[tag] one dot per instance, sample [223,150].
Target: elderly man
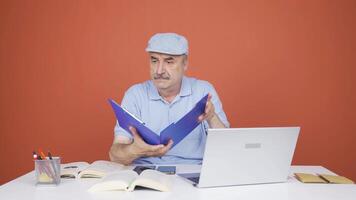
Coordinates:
[164,100]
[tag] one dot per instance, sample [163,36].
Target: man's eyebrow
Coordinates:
[169,59]
[152,57]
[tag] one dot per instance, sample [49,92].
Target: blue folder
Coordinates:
[176,131]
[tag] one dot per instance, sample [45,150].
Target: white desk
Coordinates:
[24,188]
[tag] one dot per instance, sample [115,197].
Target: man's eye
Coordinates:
[153,61]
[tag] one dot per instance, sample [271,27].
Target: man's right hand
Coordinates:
[140,148]
[125,152]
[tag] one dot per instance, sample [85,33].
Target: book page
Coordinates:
[336,179]
[115,181]
[100,168]
[153,179]
[309,178]
[71,170]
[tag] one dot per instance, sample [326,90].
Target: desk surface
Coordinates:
[24,188]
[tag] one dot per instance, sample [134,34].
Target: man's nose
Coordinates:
[160,68]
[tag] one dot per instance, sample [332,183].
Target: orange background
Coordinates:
[273,63]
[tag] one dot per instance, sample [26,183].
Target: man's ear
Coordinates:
[186,67]
[185,62]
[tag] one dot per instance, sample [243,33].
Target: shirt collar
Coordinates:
[185,90]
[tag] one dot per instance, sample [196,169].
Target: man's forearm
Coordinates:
[122,153]
[215,122]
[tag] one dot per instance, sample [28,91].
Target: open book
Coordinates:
[127,180]
[183,126]
[97,169]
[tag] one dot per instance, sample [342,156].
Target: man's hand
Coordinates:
[125,152]
[140,148]
[210,116]
[209,110]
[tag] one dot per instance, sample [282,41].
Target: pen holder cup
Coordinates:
[48,171]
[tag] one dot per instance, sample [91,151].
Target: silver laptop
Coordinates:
[239,156]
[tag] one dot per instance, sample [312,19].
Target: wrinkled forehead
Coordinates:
[155,55]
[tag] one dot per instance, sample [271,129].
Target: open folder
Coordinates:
[176,131]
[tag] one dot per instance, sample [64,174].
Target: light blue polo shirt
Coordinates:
[144,101]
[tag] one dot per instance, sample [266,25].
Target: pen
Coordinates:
[47,168]
[40,167]
[42,155]
[34,155]
[55,169]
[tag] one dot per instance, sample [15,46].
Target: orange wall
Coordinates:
[274,63]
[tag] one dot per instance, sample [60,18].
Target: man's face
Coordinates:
[167,70]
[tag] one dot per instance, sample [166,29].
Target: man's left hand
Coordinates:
[210,116]
[209,111]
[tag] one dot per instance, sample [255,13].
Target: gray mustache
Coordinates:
[161,76]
